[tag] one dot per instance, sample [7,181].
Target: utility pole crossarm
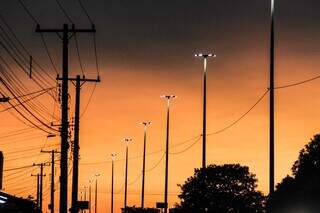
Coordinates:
[83,79]
[71,30]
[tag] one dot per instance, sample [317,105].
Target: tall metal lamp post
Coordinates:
[204,133]
[127,141]
[145,124]
[168,98]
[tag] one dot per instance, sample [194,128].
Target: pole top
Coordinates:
[205,55]
[146,123]
[168,96]
[127,140]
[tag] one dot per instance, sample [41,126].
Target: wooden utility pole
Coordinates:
[75,177]
[52,152]
[67,33]
[40,185]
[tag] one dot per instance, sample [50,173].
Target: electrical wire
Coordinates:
[45,45]
[10,90]
[186,149]
[157,164]
[28,12]
[64,12]
[85,11]
[298,83]
[242,116]
[25,101]
[17,168]
[78,53]
[22,45]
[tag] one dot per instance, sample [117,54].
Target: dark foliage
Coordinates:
[134,209]
[300,193]
[220,189]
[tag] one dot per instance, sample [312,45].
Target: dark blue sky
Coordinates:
[144,34]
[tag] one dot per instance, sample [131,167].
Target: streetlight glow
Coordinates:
[205,55]
[168,96]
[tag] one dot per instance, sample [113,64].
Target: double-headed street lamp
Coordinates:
[168,98]
[204,134]
[145,124]
[127,141]
[113,158]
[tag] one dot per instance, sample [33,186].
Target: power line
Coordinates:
[298,83]
[242,116]
[48,53]
[10,90]
[17,168]
[85,11]
[186,149]
[28,12]
[64,11]
[157,164]
[35,92]
[25,101]
[96,53]
[78,53]
[21,45]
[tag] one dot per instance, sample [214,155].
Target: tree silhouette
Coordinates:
[219,189]
[134,209]
[300,193]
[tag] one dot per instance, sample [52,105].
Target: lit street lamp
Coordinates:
[127,141]
[145,124]
[168,98]
[204,134]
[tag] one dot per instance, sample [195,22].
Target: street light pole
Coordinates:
[90,181]
[113,157]
[204,127]
[145,124]
[168,98]
[127,141]
[96,194]
[85,195]
[271,93]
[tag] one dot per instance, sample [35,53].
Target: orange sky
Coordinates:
[130,93]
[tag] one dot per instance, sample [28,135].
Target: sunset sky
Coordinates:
[145,50]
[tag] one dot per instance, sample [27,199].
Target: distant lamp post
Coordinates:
[127,141]
[90,181]
[113,158]
[96,194]
[145,124]
[204,134]
[168,98]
